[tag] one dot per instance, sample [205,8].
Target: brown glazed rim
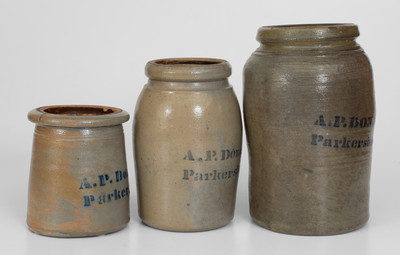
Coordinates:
[188,69]
[307,32]
[78,116]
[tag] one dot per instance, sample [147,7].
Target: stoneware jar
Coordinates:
[187,139]
[309,116]
[78,182]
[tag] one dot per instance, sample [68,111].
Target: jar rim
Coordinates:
[78,116]
[307,32]
[188,69]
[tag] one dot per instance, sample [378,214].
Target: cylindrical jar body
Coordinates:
[187,139]
[78,182]
[309,117]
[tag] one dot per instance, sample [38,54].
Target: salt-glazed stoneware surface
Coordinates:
[309,117]
[78,182]
[187,139]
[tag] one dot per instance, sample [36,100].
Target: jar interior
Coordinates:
[78,110]
[188,61]
[305,26]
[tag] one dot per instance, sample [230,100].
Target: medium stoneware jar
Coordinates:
[187,139]
[309,116]
[78,182]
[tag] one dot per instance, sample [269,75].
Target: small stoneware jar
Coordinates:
[78,182]
[309,115]
[187,139]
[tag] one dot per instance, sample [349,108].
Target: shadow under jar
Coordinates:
[187,139]
[309,117]
[78,183]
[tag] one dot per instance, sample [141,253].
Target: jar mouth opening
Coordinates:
[189,61]
[78,116]
[188,69]
[307,32]
[308,26]
[79,110]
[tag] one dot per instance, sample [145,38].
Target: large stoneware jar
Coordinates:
[78,182]
[187,139]
[309,116]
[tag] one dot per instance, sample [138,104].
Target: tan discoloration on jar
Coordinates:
[73,148]
[309,115]
[187,121]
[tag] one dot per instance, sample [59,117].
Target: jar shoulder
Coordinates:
[308,68]
[306,60]
[169,103]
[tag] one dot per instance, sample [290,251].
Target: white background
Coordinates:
[94,52]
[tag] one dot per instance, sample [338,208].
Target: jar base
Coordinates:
[65,234]
[268,225]
[184,229]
